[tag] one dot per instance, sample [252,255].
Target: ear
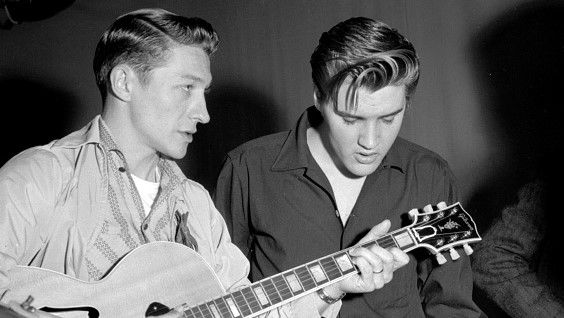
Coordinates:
[122,79]
[315,98]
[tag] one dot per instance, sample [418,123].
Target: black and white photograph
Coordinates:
[296,158]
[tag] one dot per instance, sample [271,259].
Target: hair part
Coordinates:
[143,38]
[362,53]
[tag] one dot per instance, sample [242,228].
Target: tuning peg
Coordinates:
[454,254]
[412,213]
[467,249]
[441,205]
[428,208]
[440,258]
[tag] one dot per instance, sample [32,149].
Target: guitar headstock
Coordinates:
[444,229]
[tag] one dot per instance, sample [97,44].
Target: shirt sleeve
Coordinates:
[504,260]
[231,199]
[28,184]
[446,290]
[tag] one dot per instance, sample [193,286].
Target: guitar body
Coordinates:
[164,272]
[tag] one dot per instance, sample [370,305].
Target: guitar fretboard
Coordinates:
[287,286]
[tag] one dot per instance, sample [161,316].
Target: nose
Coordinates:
[201,114]
[369,134]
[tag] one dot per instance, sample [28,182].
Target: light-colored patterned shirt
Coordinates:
[72,207]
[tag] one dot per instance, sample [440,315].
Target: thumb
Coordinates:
[377,231]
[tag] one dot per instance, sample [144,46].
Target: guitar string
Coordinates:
[385,242]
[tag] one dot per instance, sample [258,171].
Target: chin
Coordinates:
[179,155]
[361,170]
[175,155]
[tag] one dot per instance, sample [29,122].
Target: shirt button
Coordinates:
[145,226]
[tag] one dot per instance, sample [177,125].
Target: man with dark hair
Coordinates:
[79,204]
[293,196]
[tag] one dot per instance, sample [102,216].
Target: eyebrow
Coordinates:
[195,78]
[344,114]
[394,112]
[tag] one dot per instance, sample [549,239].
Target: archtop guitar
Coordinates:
[158,276]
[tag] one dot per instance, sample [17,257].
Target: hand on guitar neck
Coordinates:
[375,264]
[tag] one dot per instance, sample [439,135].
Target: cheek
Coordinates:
[171,111]
[344,137]
[390,133]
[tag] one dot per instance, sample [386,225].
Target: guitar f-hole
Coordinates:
[156,309]
[92,312]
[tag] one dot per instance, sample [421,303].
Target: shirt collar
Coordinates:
[91,133]
[87,134]
[295,153]
[393,158]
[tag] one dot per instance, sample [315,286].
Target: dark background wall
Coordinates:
[487,66]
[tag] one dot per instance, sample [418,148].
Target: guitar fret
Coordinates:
[317,273]
[222,307]
[305,278]
[294,282]
[271,292]
[196,312]
[232,306]
[214,310]
[205,310]
[404,240]
[251,299]
[282,287]
[344,263]
[330,267]
[261,295]
[386,241]
[242,303]
[188,313]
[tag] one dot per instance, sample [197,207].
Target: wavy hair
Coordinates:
[367,53]
[142,39]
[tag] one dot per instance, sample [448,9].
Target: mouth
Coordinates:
[366,157]
[189,135]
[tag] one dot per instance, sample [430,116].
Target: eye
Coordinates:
[349,120]
[388,120]
[188,88]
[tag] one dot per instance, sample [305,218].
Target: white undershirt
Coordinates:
[147,191]
[345,189]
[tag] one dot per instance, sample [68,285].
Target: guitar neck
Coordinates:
[437,231]
[274,291]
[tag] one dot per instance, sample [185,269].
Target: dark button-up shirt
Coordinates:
[280,209]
